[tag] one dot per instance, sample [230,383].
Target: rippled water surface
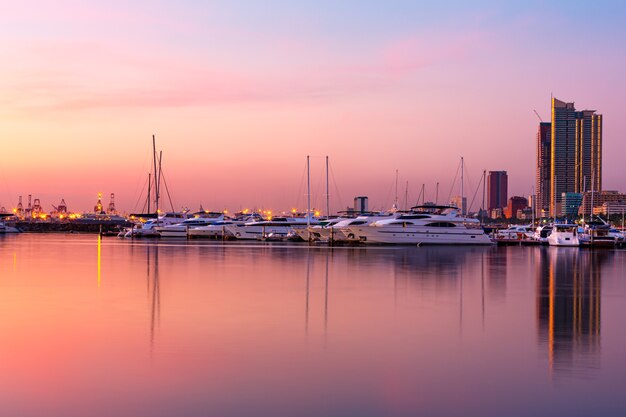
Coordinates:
[112,327]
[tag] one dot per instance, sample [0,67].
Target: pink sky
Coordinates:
[238,96]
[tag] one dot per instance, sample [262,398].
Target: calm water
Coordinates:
[139,328]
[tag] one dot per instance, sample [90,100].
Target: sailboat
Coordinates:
[148,221]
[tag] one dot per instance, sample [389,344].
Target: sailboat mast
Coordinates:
[406,196]
[395,203]
[327,192]
[462,190]
[308,192]
[149,184]
[156,184]
[437,194]
[482,211]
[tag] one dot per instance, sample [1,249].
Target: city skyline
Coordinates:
[375,88]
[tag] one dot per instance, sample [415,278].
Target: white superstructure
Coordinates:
[277,227]
[423,225]
[181,229]
[564,235]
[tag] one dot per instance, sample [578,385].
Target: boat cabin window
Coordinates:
[441,224]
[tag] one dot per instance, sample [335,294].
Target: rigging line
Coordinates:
[332,175]
[140,197]
[454,182]
[390,191]
[467,176]
[167,190]
[469,208]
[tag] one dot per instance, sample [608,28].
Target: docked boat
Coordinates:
[149,228]
[597,235]
[423,225]
[564,234]
[181,229]
[4,228]
[542,232]
[278,227]
[218,229]
[515,234]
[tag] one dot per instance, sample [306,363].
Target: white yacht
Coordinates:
[423,225]
[278,227]
[564,234]
[218,228]
[181,229]
[515,233]
[542,232]
[8,229]
[597,234]
[148,229]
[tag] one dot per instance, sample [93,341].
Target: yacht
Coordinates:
[597,234]
[8,229]
[181,229]
[542,232]
[218,228]
[277,227]
[148,229]
[515,233]
[423,225]
[564,234]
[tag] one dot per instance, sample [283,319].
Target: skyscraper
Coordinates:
[497,189]
[544,155]
[575,154]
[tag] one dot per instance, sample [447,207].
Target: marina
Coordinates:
[255,328]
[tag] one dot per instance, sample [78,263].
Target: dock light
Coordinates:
[14,211]
[225,211]
[293,210]
[316,214]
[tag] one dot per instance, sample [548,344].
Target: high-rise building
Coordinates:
[497,189]
[563,153]
[575,153]
[514,205]
[544,155]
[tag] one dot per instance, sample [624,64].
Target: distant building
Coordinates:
[515,203]
[460,203]
[599,199]
[496,213]
[542,189]
[360,204]
[570,204]
[575,152]
[497,189]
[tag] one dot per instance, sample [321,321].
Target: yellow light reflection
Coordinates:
[99,259]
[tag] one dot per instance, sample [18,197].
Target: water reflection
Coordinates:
[569,307]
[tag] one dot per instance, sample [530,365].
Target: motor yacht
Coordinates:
[564,234]
[276,227]
[181,229]
[597,234]
[542,232]
[148,228]
[515,233]
[423,225]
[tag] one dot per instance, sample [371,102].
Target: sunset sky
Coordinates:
[239,92]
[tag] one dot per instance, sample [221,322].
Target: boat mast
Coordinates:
[482,211]
[591,208]
[149,184]
[423,194]
[308,193]
[532,206]
[462,190]
[437,194]
[327,192]
[406,196]
[156,183]
[395,203]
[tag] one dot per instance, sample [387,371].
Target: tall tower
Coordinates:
[563,153]
[544,168]
[497,189]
